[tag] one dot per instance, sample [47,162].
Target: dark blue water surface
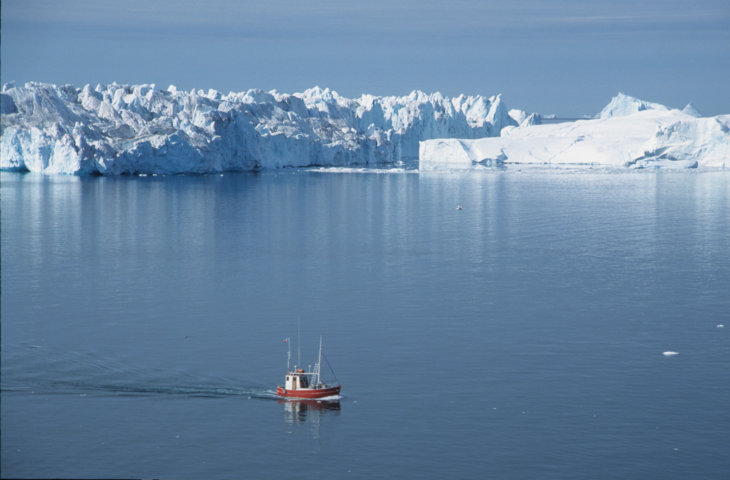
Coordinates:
[520,337]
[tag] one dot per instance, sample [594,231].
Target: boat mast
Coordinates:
[288,353]
[319,362]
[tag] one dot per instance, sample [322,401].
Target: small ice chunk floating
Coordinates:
[299,383]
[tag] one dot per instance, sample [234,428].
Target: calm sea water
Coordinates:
[520,337]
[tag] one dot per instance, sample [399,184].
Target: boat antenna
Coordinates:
[288,353]
[299,341]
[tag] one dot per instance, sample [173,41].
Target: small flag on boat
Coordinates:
[286,340]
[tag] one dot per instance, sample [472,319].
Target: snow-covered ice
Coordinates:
[142,129]
[622,105]
[627,133]
[116,129]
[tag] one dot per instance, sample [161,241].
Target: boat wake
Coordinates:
[36,370]
[209,391]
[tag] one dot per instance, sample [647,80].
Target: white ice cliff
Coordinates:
[627,133]
[116,129]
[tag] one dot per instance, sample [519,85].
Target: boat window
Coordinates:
[304,382]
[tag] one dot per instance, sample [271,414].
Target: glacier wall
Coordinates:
[118,129]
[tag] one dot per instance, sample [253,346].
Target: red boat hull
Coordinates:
[308,392]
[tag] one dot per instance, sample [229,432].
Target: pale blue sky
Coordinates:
[566,56]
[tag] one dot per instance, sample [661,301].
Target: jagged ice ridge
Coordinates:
[117,129]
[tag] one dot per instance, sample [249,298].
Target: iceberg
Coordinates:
[628,133]
[622,105]
[142,129]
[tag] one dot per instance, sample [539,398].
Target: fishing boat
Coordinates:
[299,383]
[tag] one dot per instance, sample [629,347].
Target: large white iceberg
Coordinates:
[116,129]
[627,133]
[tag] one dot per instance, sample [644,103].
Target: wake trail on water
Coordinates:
[35,369]
[163,389]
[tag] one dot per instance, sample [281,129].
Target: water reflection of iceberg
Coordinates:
[300,411]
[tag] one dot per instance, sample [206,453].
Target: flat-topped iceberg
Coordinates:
[117,129]
[627,133]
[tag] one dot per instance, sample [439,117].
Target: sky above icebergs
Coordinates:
[567,57]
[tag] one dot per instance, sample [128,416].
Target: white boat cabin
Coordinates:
[297,380]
